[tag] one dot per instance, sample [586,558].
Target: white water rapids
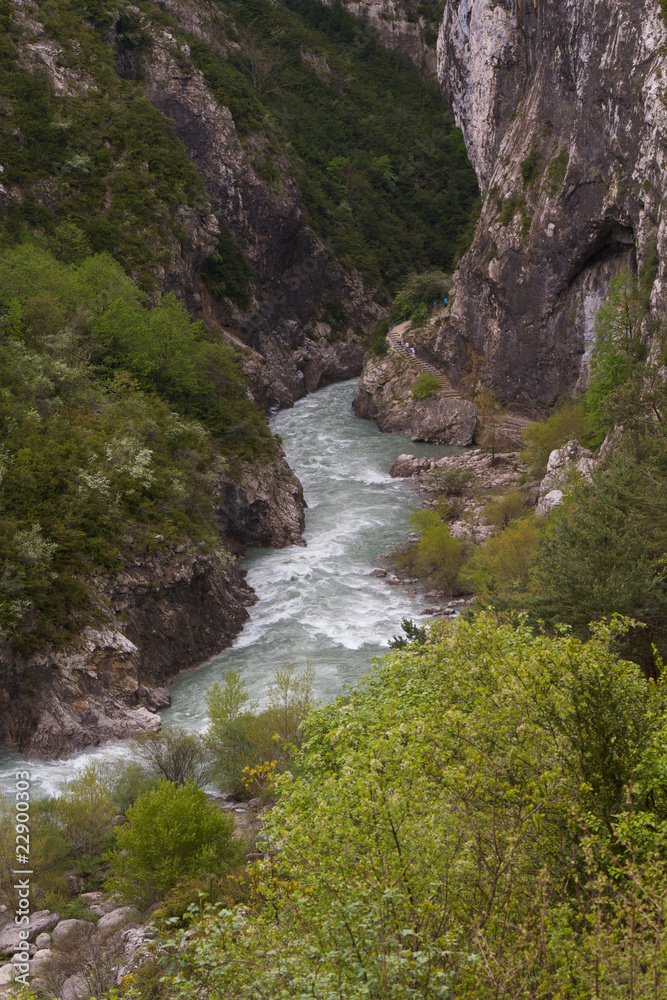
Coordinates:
[316,604]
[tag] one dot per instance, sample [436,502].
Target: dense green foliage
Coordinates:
[484,817]
[383,172]
[115,420]
[113,166]
[568,423]
[418,294]
[437,557]
[172,832]
[427,385]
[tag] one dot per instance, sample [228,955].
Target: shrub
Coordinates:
[240,737]
[175,754]
[510,207]
[530,167]
[173,832]
[500,566]
[128,780]
[449,482]
[427,385]
[501,511]
[478,818]
[437,557]
[557,171]
[566,424]
[377,338]
[417,295]
[84,810]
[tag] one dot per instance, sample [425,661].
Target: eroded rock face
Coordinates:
[562,111]
[294,275]
[163,613]
[262,507]
[385,395]
[566,464]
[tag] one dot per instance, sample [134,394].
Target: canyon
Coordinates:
[562,108]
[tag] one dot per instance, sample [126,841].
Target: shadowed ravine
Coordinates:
[316,603]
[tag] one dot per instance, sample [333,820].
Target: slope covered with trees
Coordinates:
[483,817]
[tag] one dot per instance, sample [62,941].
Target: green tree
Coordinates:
[498,570]
[437,557]
[175,754]
[464,824]
[618,349]
[501,511]
[172,832]
[603,553]
[84,810]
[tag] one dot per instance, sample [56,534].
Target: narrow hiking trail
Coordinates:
[396,342]
[510,426]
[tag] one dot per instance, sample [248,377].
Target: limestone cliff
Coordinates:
[563,111]
[386,395]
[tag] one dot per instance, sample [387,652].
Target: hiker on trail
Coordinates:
[412,352]
[445,301]
[407,348]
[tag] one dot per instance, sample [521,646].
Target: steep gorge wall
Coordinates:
[294,275]
[562,106]
[164,613]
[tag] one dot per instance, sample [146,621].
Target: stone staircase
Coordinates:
[396,341]
[510,427]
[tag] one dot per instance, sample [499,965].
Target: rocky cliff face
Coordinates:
[563,111]
[164,613]
[407,26]
[386,396]
[294,275]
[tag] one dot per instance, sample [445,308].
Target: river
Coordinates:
[316,604]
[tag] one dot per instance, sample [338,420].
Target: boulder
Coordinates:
[92,897]
[6,974]
[40,961]
[43,941]
[40,922]
[564,465]
[68,932]
[112,922]
[155,699]
[74,988]
[553,499]
[409,465]
[380,573]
